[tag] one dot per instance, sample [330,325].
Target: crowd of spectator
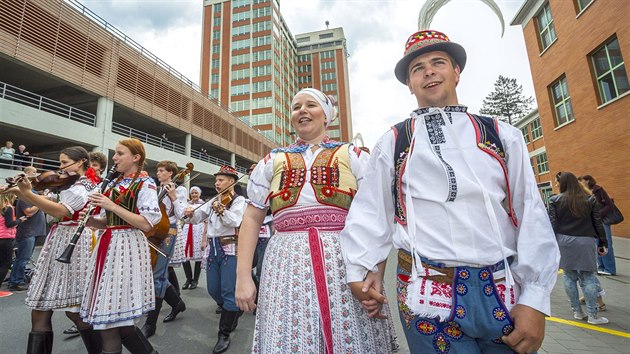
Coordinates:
[12,158]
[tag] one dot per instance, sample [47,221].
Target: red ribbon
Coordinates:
[319,272]
[189,242]
[92,176]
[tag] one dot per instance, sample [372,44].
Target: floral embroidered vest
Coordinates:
[126,198]
[331,178]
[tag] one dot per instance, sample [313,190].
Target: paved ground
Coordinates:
[194,331]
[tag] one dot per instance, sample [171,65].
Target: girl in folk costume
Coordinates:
[188,246]
[304,303]
[120,283]
[57,286]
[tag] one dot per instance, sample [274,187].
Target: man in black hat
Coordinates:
[224,216]
[477,255]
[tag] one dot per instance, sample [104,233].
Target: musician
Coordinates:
[224,216]
[164,290]
[120,283]
[57,286]
[98,163]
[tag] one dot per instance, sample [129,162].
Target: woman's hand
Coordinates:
[24,184]
[102,201]
[245,293]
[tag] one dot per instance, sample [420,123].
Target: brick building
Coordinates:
[577,51]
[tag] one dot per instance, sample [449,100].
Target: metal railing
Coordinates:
[147,138]
[42,103]
[200,155]
[19,162]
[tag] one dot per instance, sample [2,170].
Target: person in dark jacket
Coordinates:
[605,264]
[576,220]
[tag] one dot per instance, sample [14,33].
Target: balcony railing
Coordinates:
[42,103]
[19,162]
[147,138]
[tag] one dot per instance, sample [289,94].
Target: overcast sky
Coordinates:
[376,31]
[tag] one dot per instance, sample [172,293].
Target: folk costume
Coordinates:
[164,290]
[304,304]
[59,286]
[221,260]
[455,193]
[188,248]
[120,283]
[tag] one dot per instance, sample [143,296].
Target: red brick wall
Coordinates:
[598,141]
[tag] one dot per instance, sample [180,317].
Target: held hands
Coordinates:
[245,293]
[529,329]
[370,293]
[102,201]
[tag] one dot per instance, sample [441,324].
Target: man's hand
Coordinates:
[529,329]
[370,293]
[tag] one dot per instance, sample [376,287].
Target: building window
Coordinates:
[238,106]
[536,129]
[262,11]
[262,55]
[240,30]
[525,131]
[240,74]
[216,35]
[243,43]
[545,192]
[329,87]
[333,134]
[239,3]
[217,8]
[262,26]
[262,86]
[326,35]
[305,79]
[240,16]
[562,102]
[546,29]
[214,78]
[327,54]
[304,57]
[264,40]
[541,163]
[304,69]
[216,48]
[214,92]
[329,76]
[328,65]
[610,70]
[303,39]
[215,63]
[582,4]
[240,89]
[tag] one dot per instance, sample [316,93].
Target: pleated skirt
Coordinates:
[188,247]
[56,285]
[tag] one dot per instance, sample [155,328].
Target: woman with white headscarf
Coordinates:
[305,305]
[188,247]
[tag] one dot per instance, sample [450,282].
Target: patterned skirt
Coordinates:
[188,244]
[289,314]
[120,283]
[56,285]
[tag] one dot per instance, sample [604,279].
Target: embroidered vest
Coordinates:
[488,140]
[331,178]
[128,200]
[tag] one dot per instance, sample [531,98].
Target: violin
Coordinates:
[54,181]
[219,205]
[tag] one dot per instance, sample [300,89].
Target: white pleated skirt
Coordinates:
[185,242]
[288,316]
[123,289]
[56,285]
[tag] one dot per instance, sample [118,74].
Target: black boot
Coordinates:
[151,323]
[227,324]
[39,343]
[188,273]
[92,340]
[172,278]
[195,280]
[176,302]
[137,343]
[219,309]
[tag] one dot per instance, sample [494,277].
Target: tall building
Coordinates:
[250,64]
[577,51]
[323,64]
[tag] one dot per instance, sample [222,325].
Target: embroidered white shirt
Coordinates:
[452,223]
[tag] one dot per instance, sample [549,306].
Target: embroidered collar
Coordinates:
[141,175]
[425,110]
[301,146]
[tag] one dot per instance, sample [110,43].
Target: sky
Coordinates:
[375,30]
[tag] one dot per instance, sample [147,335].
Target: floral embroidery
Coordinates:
[462,289]
[493,147]
[426,327]
[460,311]
[454,331]
[484,274]
[488,290]
[440,344]
[464,274]
[499,314]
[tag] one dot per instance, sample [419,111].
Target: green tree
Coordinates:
[507,102]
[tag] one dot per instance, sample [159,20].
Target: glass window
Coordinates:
[262,11]
[582,4]
[327,54]
[240,74]
[215,63]
[545,192]
[238,106]
[240,89]
[237,31]
[562,102]
[525,131]
[261,70]
[262,86]
[303,39]
[546,29]
[305,79]
[215,78]
[240,16]
[262,55]
[304,57]
[217,8]
[610,71]
[216,35]
[536,129]
[329,76]
[239,3]
[329,87]
[214,92]
[326,35]
[541,163]
[328,65]
[243,43]
[240,59]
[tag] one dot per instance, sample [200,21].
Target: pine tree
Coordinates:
[507,102]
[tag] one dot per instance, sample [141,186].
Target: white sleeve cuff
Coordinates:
[536,297]
[355,273]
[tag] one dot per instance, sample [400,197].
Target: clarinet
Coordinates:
[67,253]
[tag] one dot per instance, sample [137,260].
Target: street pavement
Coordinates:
[195,330]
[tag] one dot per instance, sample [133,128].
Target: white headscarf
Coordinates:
[326,101]
[195,188]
